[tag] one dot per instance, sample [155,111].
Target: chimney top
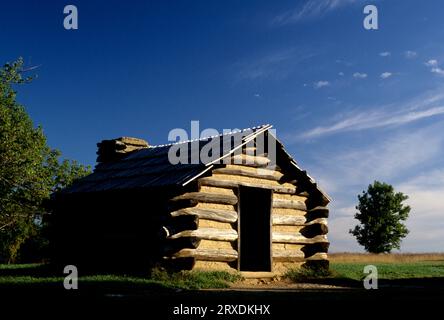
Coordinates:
[116,149]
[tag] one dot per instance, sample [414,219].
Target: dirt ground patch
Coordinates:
[278,283]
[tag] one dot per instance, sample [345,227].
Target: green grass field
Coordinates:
[390,271]
[389,266]
[38,275]
[348,269]
[345,269]
[403,280]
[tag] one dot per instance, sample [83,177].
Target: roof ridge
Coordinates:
[209,137]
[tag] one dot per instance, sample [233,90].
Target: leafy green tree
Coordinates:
[29,170]
[381,215]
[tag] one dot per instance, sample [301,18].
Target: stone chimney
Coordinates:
[116,149]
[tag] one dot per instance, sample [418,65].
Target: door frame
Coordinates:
[270,223]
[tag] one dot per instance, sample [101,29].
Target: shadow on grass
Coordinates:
[30,270]
[42,286]
[45,278]
[407,283]
[51,278]
[49,270]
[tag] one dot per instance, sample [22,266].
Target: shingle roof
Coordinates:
[151,167]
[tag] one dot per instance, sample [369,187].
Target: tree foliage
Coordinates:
[381,215]
[29,169]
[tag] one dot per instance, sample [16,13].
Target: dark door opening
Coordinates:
[254,229]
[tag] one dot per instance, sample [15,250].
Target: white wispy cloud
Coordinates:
[429,99]
[409,54]
[426,220]
[410,158]
[321,84]
[344,62]
[438,70]
[371,120]
[311,9]
[392,159]
[359,75]
[341,74]
[423,107]
[385,54]
[275,65]
[427,187]
[386,75]
[434,67]
[432,63]
[340,239]
[387,159]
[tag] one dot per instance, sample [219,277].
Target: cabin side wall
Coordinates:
[110,231]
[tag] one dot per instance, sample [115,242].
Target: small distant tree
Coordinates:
[29,169]
[381,215]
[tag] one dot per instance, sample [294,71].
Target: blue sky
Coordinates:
[351,105]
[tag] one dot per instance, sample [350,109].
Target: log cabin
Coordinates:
[246,205]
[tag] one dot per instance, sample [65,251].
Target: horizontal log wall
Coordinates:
[210,244]
[216,210]
[210,214]
[298,232]
[216,182]
[208,233]
[223,255]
